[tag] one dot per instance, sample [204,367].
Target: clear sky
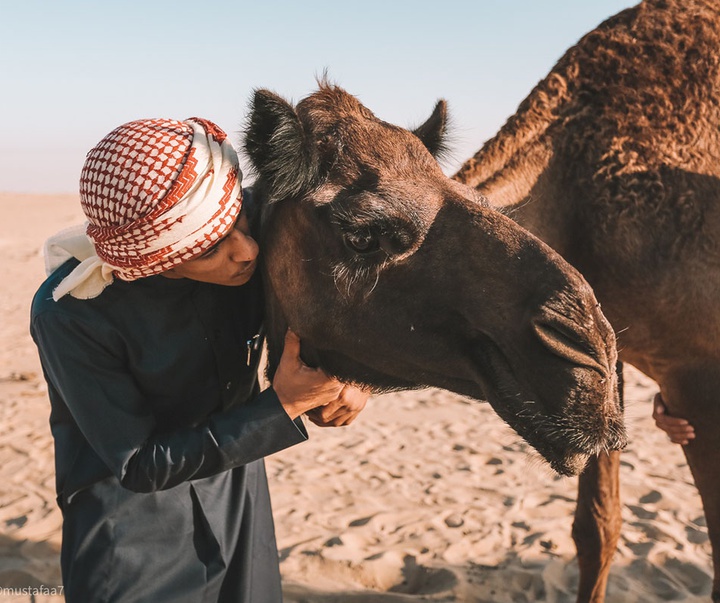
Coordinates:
[72,70]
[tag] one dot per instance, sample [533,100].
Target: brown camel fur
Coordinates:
[396,277]
[614,160]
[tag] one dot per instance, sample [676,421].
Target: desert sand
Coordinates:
[426,497]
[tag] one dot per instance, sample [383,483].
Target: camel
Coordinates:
[614,160]
[397,277]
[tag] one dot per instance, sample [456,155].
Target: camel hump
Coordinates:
[640,123]
[644,82]
[627,121]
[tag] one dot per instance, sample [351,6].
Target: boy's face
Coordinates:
[232,261]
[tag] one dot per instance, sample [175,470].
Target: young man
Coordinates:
[148,330]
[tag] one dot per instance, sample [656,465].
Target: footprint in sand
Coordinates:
[641,549]
[363,521]
[662,585]
[695,579]
[697,532]
[418,579]
[696,536]
[17,522]
[642,512]
[651,497]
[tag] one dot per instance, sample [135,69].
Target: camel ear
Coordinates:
[432,132]
[277,146]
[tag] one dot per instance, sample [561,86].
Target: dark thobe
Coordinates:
[160,431]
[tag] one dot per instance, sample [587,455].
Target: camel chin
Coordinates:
[565,429]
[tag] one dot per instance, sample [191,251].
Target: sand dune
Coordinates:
[426,497]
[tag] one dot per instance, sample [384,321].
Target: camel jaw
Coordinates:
[564,432]
[565,441]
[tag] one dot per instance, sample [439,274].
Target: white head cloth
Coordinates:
[156,193]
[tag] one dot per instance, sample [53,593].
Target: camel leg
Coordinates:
[596,528]
[598,520]
[703,462]
[695,394]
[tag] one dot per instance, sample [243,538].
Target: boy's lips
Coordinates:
[249,267]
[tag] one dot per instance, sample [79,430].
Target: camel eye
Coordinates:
[361,242]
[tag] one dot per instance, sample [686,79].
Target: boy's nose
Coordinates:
[244,247]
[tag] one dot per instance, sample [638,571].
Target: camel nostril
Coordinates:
[567,342]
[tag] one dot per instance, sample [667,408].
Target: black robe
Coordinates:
[159,432]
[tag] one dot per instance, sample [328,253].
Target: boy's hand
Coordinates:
[679,430]
[299,387]
[341,411]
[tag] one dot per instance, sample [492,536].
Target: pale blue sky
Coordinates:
[72,70]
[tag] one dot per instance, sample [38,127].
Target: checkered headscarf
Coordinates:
[156,193]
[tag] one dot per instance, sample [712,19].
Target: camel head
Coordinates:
[395,276]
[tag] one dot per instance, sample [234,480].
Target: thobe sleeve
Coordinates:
[115,419]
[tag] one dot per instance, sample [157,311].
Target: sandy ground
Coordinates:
[426,497]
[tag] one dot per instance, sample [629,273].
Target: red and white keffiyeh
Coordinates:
[156,193]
